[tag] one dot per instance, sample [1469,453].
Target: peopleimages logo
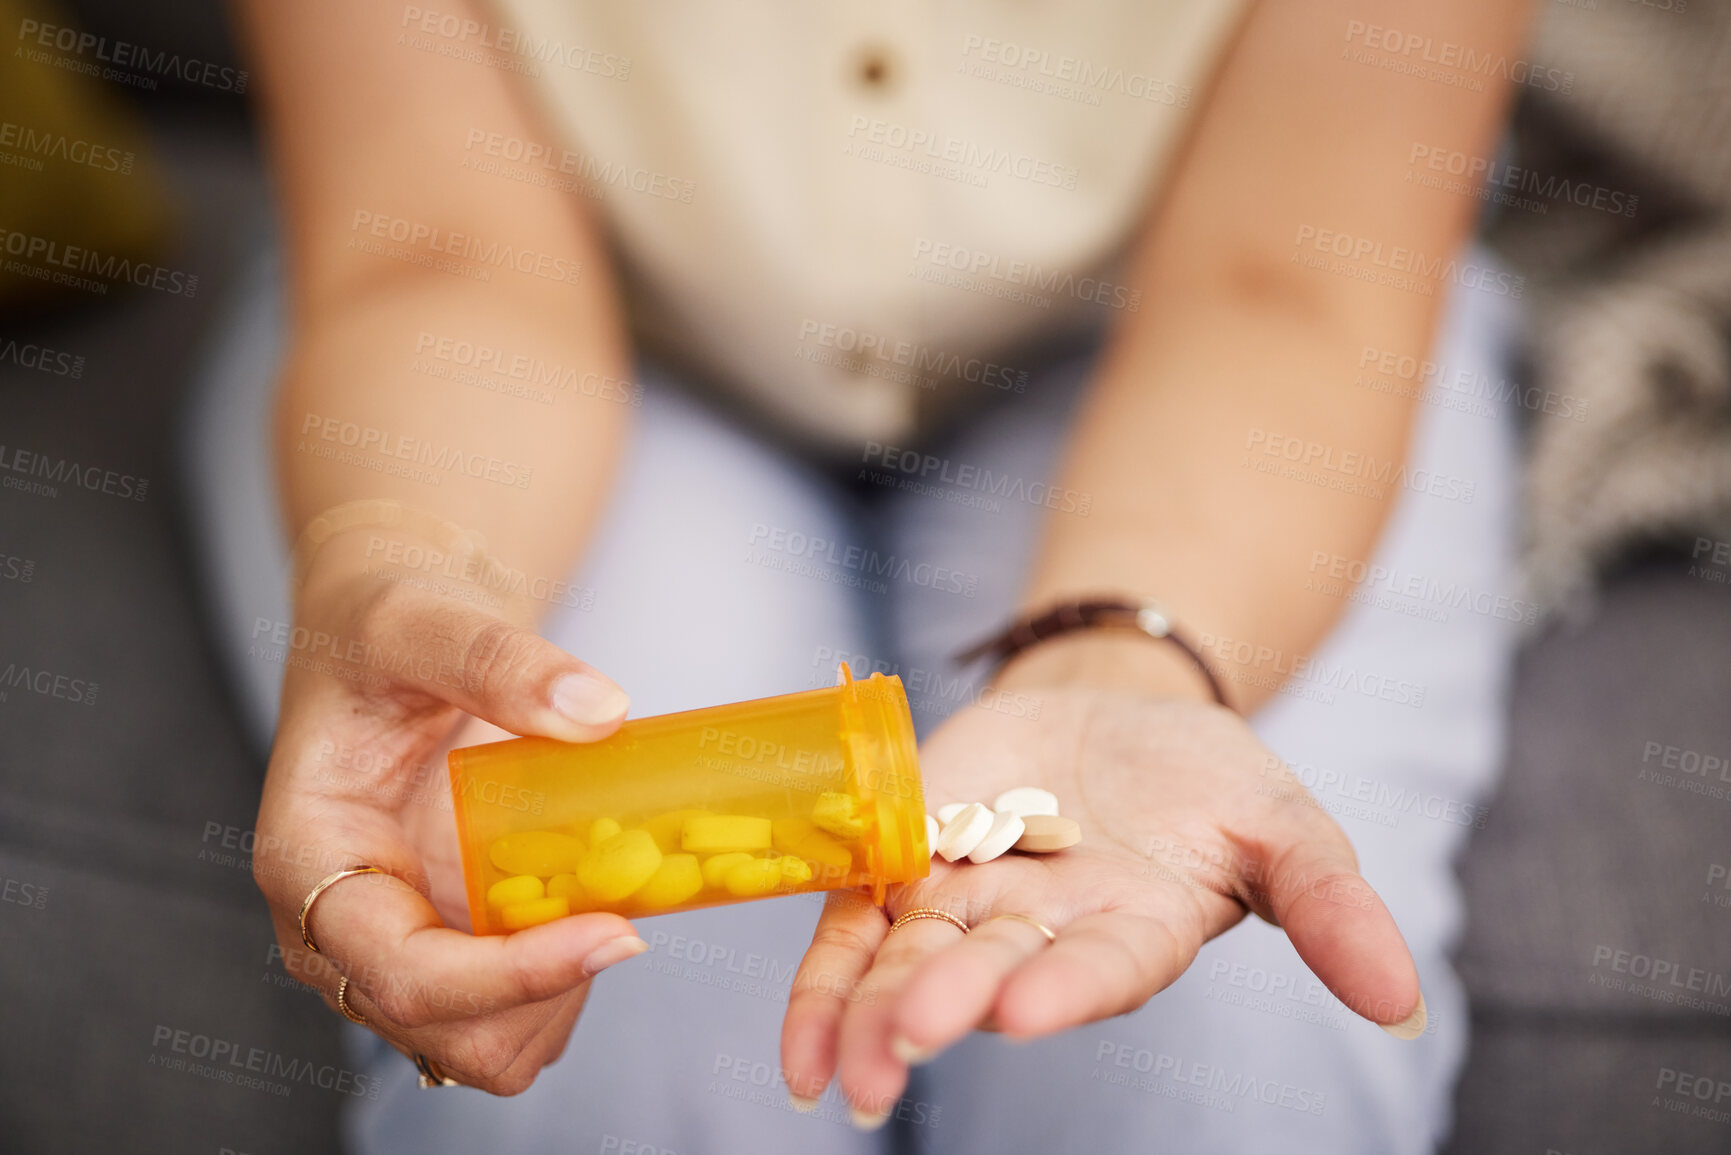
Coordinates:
[1396,262]
[470,361]
[41,358]
[1206,1084]
[1391,371]
[23,893]
[64,471]
[1447,595]
[1023,274]
[1447,61]
[34,144]
[464,246]
[913,465]
[965,154]
[48,684]
[528,49]
[1304,668]
[857,347]
[532,154]
[1665,980]
[34,252]
[123,54]
[928,691]
[1391,801]
[1481,174]
[382,450]
[1071,77]
[1698,1096]
[853,561]
[226,1061]
[1361,473]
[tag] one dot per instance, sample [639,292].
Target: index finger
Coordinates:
[842,948]
[389,941]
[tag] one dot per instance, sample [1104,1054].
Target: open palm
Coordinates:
[1187,823]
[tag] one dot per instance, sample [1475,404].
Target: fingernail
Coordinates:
[802,1104]
[615,950]
[867,1120]
[1410,1027]
[911,1053]
[588,700]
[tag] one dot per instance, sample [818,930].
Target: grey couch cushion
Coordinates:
[1596,954]
[148,925]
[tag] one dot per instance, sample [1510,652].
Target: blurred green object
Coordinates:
[75,164]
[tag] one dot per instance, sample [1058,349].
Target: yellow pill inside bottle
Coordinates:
[542,853]
[803,792]
[674,881]
[759,877]
[725,833]
[667,829]
[802,838]
[839,814]
[523,915]
[510,891]
[716,866]
[565,886]
[618,866]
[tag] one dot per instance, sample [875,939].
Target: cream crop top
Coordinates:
[849,214]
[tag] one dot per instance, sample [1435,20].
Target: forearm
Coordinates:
[405,263]
[371,406]
[1172,447]
[1240,347]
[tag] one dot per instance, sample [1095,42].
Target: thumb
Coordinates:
[486,666]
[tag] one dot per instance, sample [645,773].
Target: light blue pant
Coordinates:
[1397,728]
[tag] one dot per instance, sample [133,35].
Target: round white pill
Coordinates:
[932,832]
[945,813]
[1026,800]
[1006,828]
[964,832]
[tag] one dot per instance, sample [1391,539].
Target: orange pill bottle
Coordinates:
[802,792]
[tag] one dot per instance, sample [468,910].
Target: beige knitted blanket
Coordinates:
[1629,260]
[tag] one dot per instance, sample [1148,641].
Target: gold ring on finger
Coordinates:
[349,1012]
[1051,935]
[920,912]
[432,1075]
[325,884]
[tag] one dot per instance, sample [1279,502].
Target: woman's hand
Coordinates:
[1187,822]
[374,692]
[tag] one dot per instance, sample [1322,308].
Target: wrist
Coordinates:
[1108,659]
[354,568]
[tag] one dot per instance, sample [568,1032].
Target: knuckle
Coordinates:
[530,985]
[267,872]
[387,612]
[559,1048]
[843,939]
[513,1082]
[808,992]
[402,1008]
[487,1055]
[495,652]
